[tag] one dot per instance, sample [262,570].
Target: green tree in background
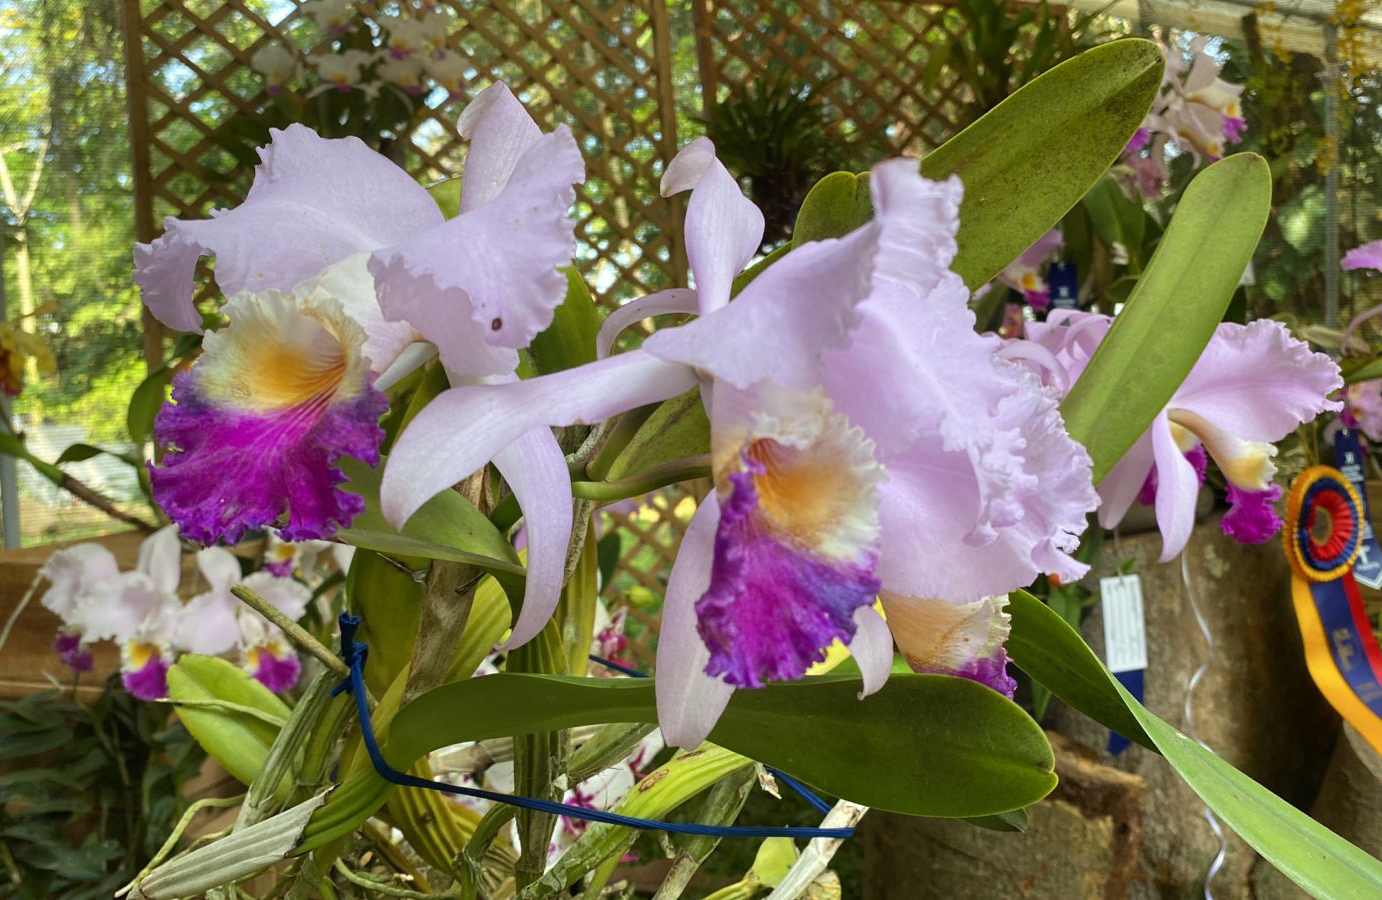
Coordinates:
[66,210]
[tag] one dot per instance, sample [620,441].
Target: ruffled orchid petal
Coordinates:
[535,470]
[964,639]
[805,304]
[1252,518]
[277,671]
[872,649]
[1367,256]
[313,202]
[673,300]
[483,284]
[465,427]
[71,572]
[797,542]
[500,132]
[1258,382]
[262,419]
[1178,487]
[689,702]
[723,227]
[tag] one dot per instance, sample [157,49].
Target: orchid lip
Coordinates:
[1246,464]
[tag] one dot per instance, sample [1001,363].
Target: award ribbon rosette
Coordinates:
[1324,528]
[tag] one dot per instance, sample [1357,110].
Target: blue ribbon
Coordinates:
[354,653]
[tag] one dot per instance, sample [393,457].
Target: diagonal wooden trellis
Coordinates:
[600,66]
[871,59]
[604,67]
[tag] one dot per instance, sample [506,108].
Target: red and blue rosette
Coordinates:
[1324,529]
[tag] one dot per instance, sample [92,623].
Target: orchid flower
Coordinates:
[332,16]
[277,64]
[215,622]
[865,441]
[335,264]
[136,609]
[1252,385]
[1364,256]
[71,572]
[1196,110]
[1024,273]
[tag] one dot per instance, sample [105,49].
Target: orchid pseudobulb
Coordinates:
[1252,385]
[865,442]
[339,268]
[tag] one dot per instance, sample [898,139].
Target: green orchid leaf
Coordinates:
[1043,645]
[1311,855]
[677,429]
[835,206]
[1027,161]
[1365,370]
[570,340]
[446,527]
[148,398]
[227,711]
[389,603]
[925,745]
[1172,312]
[1318,860]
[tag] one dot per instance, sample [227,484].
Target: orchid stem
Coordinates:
[292,629]
[446,606]
[609,491]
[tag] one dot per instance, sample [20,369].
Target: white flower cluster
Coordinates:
[413,54]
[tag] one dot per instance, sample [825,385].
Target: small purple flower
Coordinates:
[72,651]
[1140,138]
[1252,518]
[1234,127]
[276,666]
[144,669]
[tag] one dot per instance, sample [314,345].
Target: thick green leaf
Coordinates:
[1172,313]
[1049,650]
[1043,645]
[1305,851]
[389,603]
[145,403]
[570,340]
[676,430]
[237,741]
[835,206]
[925,745]
[446,527]
[1031,158]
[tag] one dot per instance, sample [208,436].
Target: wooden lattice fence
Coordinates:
[600,66]
[873,61]
[604,67]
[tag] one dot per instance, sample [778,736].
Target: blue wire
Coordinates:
[805,792]
[355,654]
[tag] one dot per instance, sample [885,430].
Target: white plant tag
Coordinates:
[1125,630]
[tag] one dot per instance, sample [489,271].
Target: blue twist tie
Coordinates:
[354,655]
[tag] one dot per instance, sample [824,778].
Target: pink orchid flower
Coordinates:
[341,275]
[1252,386]
[1024,273]
[866,443]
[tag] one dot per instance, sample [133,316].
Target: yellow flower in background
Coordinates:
[16,349]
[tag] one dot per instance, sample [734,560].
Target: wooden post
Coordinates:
[144,228]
